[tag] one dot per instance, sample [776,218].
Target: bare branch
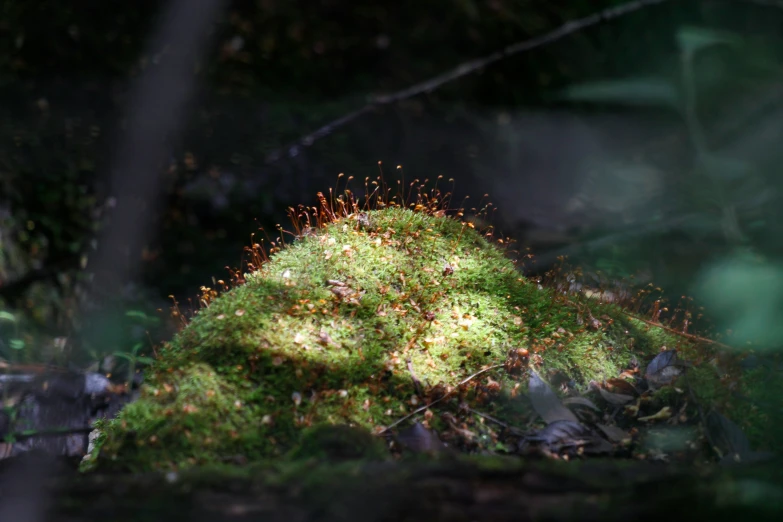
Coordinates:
[461,70]
[765,3]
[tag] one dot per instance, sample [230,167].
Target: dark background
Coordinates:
[142,144]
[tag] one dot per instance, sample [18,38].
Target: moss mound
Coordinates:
[358,324]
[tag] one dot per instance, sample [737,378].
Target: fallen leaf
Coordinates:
[581,401]
[726,437]
[618,399]
[661,361]
[622,386]
[663,414]
[614,433]
[663,369]
[325,339]
[546,403]
[567,434]
[560,431]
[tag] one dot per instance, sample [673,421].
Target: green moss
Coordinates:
[760,394]
[339,442]
[322,333]
[194,412]
[751,399]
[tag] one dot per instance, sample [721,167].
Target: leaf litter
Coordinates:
[629,420]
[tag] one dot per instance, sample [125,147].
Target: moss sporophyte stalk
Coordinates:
[370,314]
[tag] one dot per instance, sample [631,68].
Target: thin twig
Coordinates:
[679,333]
[445,396]
[511,429]
[461,70]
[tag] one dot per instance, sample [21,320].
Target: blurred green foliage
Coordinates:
[744,294]
[726,205]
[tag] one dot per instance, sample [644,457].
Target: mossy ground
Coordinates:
[342,325]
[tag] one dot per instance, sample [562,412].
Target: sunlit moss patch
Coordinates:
[360,322]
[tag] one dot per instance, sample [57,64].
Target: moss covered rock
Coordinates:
[357,325]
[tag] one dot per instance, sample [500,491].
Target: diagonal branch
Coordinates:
[461,70]
[765,3]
